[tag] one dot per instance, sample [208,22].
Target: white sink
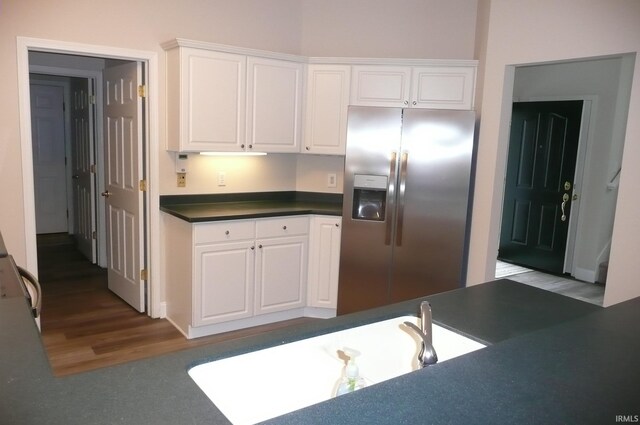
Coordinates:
[263,384]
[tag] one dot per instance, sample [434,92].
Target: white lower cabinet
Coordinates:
[281,274]
[234,274]
[224,276]
[324,262]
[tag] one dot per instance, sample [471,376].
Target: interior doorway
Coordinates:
[603,85]
[96,158]
[26,46]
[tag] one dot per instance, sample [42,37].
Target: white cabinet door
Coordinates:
[223,278]
[281,274]
[274,93]
[443,87]
[324,261]
[206,100]
[377,85]
[326,109]
[435,87]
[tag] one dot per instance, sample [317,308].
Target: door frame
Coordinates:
[585,140]
[152,213]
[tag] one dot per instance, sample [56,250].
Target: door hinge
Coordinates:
[92,168]
[92,99]
[142,90]
[143,185]
[94,235]
[144,274]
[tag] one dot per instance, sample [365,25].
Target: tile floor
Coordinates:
[590,292]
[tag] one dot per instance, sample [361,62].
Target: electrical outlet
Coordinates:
[222,178]
[182,179]
[332,180]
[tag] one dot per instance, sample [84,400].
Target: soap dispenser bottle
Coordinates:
[351,379]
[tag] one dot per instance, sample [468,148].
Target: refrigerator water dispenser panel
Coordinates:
[369,197]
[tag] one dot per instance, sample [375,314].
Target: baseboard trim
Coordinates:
[163,310]
[584,275]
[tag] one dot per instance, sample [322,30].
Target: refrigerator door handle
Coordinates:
[401,190]
[391,184]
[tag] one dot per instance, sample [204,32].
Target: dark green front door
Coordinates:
[541,165]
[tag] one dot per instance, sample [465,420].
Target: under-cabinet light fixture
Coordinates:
[233,153]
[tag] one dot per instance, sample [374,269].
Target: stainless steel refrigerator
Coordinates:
[406,200]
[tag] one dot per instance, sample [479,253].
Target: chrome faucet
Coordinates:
[427,355]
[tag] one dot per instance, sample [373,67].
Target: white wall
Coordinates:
[312,170]
[433,29]
[600,80]
[572,29]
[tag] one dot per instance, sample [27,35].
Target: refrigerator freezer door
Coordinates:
[433,192]
[373,142]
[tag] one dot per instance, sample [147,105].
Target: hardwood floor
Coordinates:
[85,326]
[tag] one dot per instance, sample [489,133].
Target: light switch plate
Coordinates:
[332,180]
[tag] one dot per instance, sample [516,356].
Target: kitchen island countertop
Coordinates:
[552,360]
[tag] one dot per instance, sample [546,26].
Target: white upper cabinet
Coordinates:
[274,113]
[231,99]
[443,87]
[374,85]
[438,86]
[228,99]
[327,101]
[206,107]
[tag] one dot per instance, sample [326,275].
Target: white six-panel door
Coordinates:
[47,129]
[82,159]
[123,198]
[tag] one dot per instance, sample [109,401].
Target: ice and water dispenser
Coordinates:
[369,197]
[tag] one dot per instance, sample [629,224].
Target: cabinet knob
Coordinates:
[406,102]
[284,227]
[253,247]
[226,232]
[260,246]
[242,146]
[337,225]
[415,103]
[250,146]
[307,148]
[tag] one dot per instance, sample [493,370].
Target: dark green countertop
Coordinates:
[201,208]
[553,360]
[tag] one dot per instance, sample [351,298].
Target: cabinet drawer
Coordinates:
[223,231]
[285,226]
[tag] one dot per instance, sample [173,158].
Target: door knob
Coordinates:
[106,194]
[75,177]
[565,198]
